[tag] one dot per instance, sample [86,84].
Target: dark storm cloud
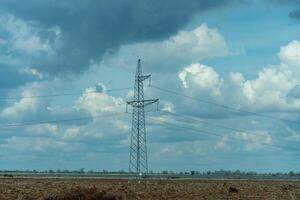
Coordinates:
[92,27]
[295,14]
[11,77]
[284,1]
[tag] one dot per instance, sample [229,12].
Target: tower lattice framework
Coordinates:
[138,161]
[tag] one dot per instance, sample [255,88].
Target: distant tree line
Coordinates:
[165,172]
[229,173]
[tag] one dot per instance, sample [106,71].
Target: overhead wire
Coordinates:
[12,125]
[211,133]
[208,123]
[62,94]
[23,124]
[224,106]
[220,126]
[156,87]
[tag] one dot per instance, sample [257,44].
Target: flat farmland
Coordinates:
[110,189]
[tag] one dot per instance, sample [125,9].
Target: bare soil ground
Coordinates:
[99,189]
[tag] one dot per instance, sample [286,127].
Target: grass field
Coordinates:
[99,189]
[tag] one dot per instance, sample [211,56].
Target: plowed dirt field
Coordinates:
[99,189]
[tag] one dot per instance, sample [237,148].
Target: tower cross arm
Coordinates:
[143,77]
[142,103]
[150,101]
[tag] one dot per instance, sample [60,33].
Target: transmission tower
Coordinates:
[138,162]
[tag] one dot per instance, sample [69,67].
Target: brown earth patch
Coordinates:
[99,189]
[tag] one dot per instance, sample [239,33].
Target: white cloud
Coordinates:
[182,49]
[183,52]
[168,106]
[34,72]
[201,76]
[33,144]
[188,46]
[43,129]
[222,144]
[30,45]
[271,88]
[25,106]
[190,148]
[290,54]
[24,36]
[76,133]
[95,101]
[268,92]
[121,125]
[255,139]
[250,141]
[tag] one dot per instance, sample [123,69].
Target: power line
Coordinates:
[116,114]
[224,106]
[210,133]
[60,94]
[209,123]
[57,121]
[12,125]
[217,125]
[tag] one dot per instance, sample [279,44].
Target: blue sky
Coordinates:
[240,54]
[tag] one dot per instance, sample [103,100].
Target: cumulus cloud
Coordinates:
[184,48]
[19,45]
[249,141]
[290,56]
[81,136]
[24,107]
[95,101]
[268,92]
[254,140]
[87,30]
[22,144]
[23,104]
[43,130]
[21,38]
[202,77]
[181,149]
[45,43]
[168,106]
[274,83]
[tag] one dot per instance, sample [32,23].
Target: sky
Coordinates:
[226,73]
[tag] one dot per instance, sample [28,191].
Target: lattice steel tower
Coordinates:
[138,161]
